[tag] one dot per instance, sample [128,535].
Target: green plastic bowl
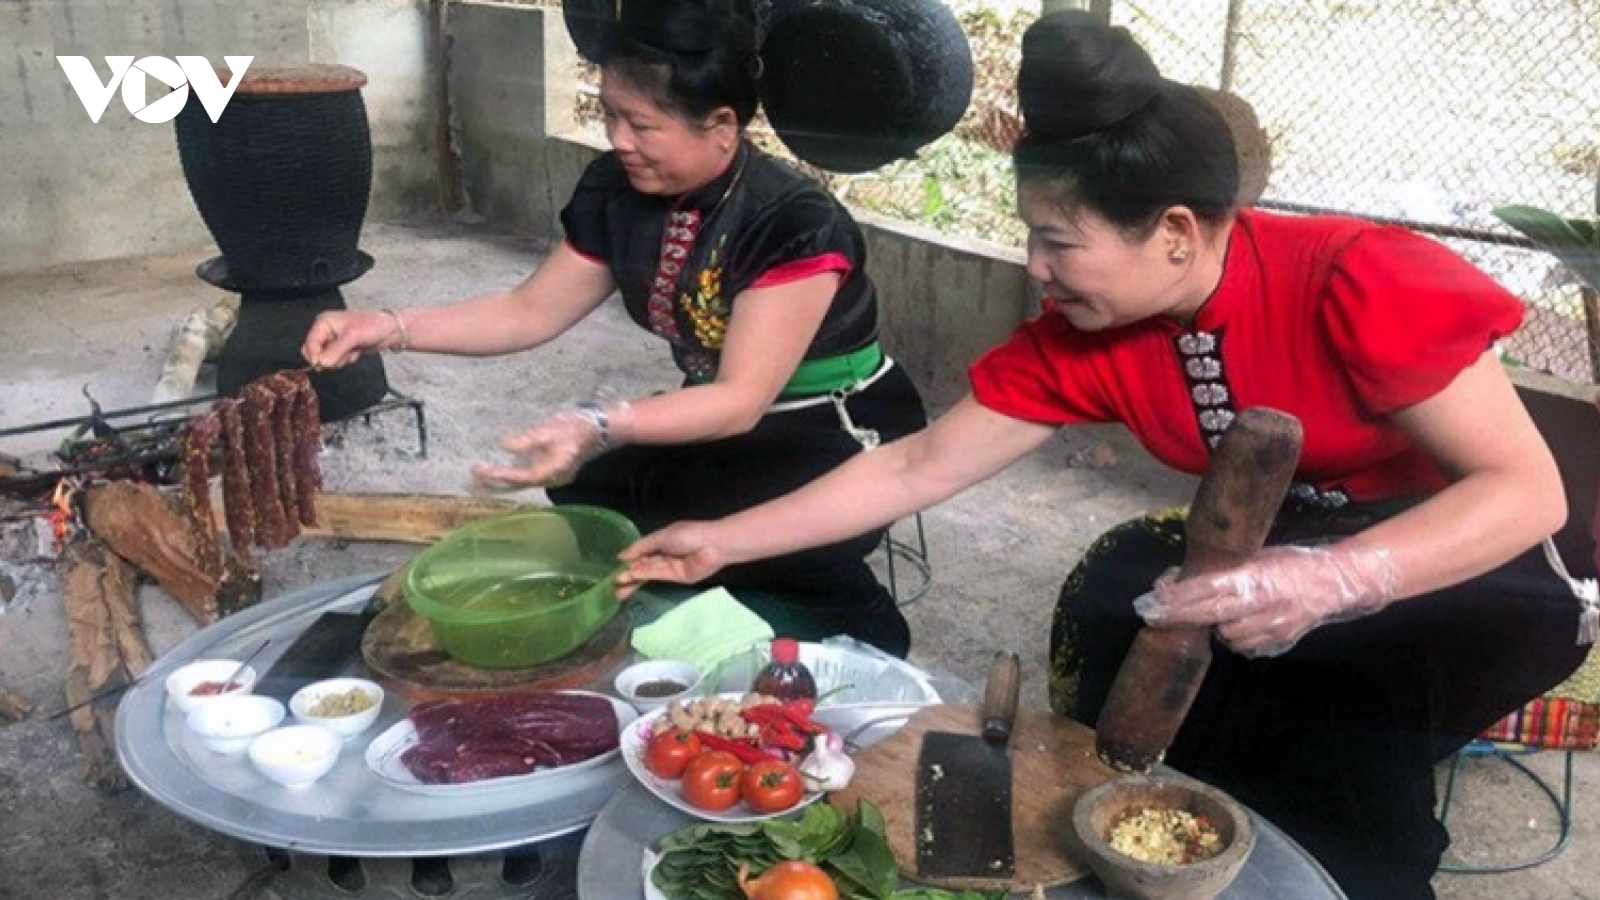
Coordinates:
[522,588]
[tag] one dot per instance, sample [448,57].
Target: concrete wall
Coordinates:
[72,189]
[510,89]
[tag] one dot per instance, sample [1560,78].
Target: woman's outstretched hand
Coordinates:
[338,338]
[1265,606]
[549,453]
[681,553]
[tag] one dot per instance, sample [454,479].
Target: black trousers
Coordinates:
[1336,740]
[807,595]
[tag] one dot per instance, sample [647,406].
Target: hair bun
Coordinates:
[1080,76]
[688,26]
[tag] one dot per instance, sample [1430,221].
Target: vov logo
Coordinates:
[188,72]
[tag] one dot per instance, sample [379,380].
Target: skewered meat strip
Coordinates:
[307,422]
[198,439]
[258,409]
[237,503]
[283,450]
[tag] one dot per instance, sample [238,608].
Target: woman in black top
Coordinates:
[753,274]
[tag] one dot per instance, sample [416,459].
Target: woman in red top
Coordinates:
[1408,618]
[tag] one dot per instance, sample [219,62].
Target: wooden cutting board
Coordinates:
[1052,763]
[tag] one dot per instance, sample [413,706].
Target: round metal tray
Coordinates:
[350,812]
[610,865]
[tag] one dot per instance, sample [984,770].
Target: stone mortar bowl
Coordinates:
[1102,807]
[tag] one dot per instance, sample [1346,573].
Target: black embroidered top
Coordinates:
[682,262]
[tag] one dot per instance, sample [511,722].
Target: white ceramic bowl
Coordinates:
[305,701]
[184,680]
[644,675]
[295,756]
[229,723]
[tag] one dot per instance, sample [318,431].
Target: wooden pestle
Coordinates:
[1233,509]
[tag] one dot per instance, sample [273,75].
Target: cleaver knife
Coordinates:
[963,800]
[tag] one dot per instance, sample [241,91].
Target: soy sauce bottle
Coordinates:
[786,677]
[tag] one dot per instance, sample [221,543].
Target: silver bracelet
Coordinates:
[400,325]
[596,414]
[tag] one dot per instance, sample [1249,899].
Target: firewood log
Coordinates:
[118,586]
[95,662]
[143,527]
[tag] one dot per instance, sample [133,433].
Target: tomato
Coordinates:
[793,880]
[670,752]
[771,786]
[711,781]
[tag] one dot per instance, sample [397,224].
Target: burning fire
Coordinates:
[63,514]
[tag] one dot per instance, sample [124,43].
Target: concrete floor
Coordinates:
[999,551]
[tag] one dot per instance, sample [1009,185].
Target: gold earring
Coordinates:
[1178,254]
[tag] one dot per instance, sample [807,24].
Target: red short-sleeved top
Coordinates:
[1336,321]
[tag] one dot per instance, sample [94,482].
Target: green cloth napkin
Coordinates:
[705,630]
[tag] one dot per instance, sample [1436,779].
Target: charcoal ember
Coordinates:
[512,734]
[199,437]
[237,503]
[258,410]
[283,450]
[307,424]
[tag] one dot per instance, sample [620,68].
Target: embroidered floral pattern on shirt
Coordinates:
[1208,386]
[1306,494]
[1213,406]
[706,306]
[676,241]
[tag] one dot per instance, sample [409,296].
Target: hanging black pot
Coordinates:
[850,85]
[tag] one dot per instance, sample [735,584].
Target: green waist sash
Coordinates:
[831,373]
[820,376]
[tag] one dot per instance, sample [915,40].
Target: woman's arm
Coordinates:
[1505,496]
[768,334]
[965,446]
[564,288]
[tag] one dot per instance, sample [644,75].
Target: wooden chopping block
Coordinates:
[1052,763]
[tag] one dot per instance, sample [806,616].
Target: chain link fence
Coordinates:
[1426,112]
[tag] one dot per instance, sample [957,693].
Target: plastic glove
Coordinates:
[1265,606]
[551,452]
[338,338]
[683,553]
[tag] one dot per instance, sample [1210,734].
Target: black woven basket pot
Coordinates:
[850,85]
[282,181]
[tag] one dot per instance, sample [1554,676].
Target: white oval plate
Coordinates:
[648,866]
[383,758]
[636,738]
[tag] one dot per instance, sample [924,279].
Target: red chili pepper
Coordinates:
[746,753]
[799,720]
[763,714]
[782,735]
[805,706]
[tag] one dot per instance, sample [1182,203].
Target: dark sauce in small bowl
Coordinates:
[662,687]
